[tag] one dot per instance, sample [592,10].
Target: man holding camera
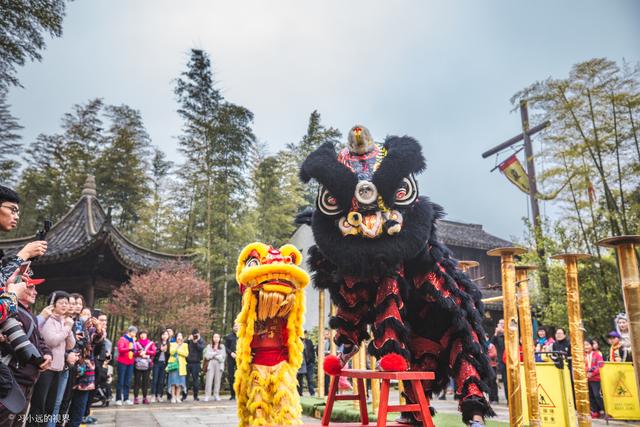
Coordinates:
[24,352]
[194,362]
[9,215]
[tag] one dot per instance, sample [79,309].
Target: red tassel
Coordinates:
[393,362]
[332,365]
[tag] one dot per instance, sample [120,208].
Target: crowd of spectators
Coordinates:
[557,349]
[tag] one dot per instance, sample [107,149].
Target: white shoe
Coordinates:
[118,402]
[152,400]
[160,399]
[174,400]
[217,398]
[206,399]
[128,402]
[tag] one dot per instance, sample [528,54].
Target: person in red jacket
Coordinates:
[593,362]
[126,347]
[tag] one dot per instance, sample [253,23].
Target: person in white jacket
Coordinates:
[214,356]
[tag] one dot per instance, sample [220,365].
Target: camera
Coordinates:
[25,351]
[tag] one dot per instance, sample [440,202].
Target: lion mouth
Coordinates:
[273,304]
[371,225]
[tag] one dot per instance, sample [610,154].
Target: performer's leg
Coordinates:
[389,330]
[469,387]
[285,404]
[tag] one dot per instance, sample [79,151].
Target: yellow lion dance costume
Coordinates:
[269,350]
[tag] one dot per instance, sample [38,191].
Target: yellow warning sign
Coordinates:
[619,390]
[555,398]
[544,401]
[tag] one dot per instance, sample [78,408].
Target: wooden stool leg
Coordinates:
[427,421]
[384,403]
[331,397]
[362,397]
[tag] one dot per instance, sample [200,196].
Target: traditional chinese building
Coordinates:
[87,253]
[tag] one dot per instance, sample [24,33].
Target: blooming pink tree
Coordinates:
[172,297]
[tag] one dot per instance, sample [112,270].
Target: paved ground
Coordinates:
[189,413]
[223,413]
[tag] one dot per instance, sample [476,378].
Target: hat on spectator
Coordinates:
[132,329]
[613,334]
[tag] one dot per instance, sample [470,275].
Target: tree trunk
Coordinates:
[617,141]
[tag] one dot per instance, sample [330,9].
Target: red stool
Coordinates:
[413,377]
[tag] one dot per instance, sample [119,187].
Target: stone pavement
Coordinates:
[189,413]
[223,413]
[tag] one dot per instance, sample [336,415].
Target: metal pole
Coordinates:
[511,331]
[576,335]
[630,280]
[321,343]
[526,332]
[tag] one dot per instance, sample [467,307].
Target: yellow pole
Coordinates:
[511,330]
[576,335]
[321,343]
[492,299]
[630,280]
[375,387]
[526,332]
[333,348]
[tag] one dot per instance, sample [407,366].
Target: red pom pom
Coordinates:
[332,365]
[393,362]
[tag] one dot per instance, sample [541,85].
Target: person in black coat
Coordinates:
[309,354]
[498,341]
[194,363]
[230,342]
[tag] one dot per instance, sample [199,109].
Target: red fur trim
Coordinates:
[332,365]
[393,362]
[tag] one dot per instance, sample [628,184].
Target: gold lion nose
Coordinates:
[354,219]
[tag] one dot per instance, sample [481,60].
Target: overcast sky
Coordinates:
[442,72]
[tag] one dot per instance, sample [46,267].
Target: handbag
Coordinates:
[173,366]
[143,364]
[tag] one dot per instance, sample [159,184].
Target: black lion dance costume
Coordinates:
[378,254]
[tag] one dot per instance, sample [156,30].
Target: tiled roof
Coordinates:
[87,227]
[453,233]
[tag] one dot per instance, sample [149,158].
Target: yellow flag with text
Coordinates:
[514,171]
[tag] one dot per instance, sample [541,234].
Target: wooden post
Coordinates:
[630,281]
[526,333]
[375,387]
[333,348]
[321,343]
[511,331]
[576,336]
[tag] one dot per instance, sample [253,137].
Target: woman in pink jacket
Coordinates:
[144,351]
[55,329]
[125,360]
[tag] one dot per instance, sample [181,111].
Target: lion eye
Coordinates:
[407,193]
[252,262]
[327,203]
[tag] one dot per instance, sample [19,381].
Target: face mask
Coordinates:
[83,318]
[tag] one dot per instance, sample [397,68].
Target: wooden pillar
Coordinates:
[630,281]
[528,348]
[511,331]
[577,337]
[321,343]
[333,348]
